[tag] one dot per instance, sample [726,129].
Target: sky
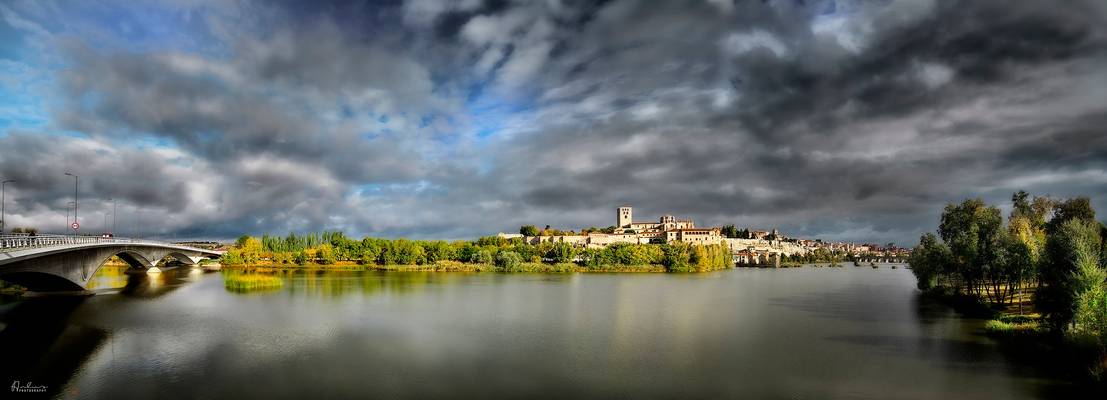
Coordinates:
[842,120]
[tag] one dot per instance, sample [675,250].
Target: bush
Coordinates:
[1009,328]
[232,257]
[481,256]
[282,258]
[301,257]
[509,261]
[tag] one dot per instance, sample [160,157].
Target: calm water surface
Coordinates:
[761,333]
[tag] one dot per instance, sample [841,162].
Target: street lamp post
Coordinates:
[76,228]
[106,222]
[68,206]
[3,201]
[113,209]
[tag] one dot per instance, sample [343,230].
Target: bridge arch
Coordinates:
[182,257]
[133,258]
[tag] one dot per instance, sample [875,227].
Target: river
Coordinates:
[745,333]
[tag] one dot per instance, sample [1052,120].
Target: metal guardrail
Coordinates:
[19,242]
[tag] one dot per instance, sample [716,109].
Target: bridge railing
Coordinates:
[19,242]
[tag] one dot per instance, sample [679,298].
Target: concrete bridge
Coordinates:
[55,263]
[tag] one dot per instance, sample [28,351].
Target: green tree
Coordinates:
[1020,204]
[561,253]
[1071,248]
[1006,266]
[1028,238]
[405,252]
[492,241]
[677,257]
[528,230]
[1065,210]
[929,261]
[730,231]
[250,248]
[1090,299]
[438,251]
[326,254]
[367,257]
[971,230]
[463,251]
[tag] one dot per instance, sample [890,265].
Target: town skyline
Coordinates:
[629,228]
[841,120]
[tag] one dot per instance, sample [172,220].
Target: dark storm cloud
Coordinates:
[839,119]
[983,43]
[822,132]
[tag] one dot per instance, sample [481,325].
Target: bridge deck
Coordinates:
[18,247]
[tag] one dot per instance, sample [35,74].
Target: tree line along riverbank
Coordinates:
[1041,277]
[486,254]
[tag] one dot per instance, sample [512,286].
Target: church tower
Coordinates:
[623,217]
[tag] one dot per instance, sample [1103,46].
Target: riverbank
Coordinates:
[1077,358]
[454,266]
[1022,337]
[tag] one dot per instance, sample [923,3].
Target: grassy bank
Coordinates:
[1022,336]
[1076,357]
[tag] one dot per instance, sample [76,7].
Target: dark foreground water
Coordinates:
[749,333]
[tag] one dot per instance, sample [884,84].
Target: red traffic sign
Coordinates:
[75,225]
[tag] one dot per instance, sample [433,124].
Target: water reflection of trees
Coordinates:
[340,283]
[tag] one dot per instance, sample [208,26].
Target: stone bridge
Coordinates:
[50,263]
